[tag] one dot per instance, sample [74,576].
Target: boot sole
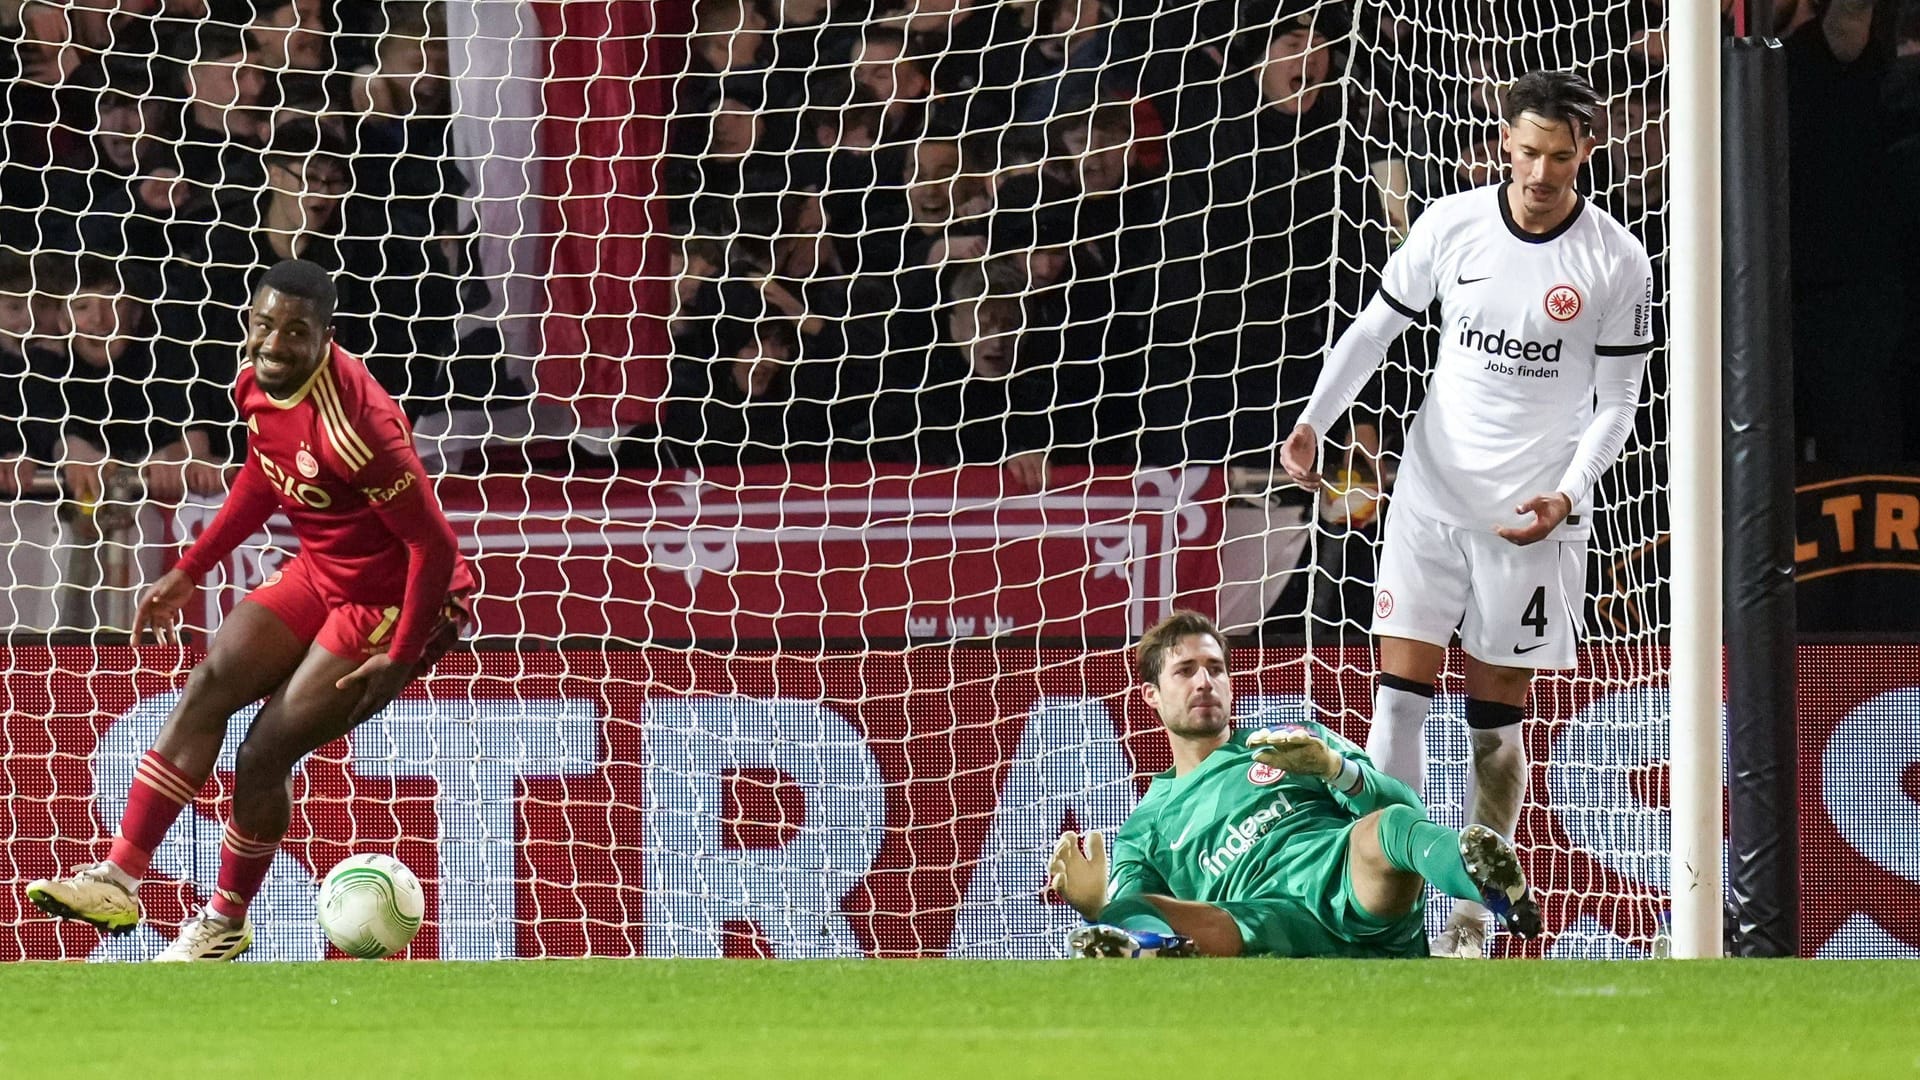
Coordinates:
[1492,863]
[57,909]
[1098,942]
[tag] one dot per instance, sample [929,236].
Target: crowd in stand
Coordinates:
[1032,232]
[1068,231]
[156,157]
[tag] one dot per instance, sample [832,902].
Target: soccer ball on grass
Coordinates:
[370,906]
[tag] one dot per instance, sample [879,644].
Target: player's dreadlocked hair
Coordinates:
[1167,633]
[1558,96]
[306,280]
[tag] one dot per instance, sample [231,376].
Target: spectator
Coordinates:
[95,175]
[809,35]
[28,356]
[226,121]
[883,70]
[807,283]
[897,283]
[1284,223]
[967,398]
[146,219]
[726,57]
[1117,245]
[295,216]
[48,53]
[1064,63]
[42,123]
[104,26]
[743,408]
[846,163]
[1632,178]
[404,101]
[119,406]
[978,52]
[288,39]
[1847,295]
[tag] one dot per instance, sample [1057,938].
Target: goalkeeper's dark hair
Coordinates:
[1560,97]
[305,280]
[1152,650]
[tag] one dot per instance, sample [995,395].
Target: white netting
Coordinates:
[769,327]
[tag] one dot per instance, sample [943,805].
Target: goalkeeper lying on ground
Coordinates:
[1277,843]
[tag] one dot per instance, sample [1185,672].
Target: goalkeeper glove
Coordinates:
[1080,875]
[1297,750]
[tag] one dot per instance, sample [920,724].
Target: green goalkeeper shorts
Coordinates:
[1307,908]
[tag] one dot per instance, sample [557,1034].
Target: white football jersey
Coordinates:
[1522,319]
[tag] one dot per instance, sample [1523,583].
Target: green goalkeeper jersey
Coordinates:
[1234,829]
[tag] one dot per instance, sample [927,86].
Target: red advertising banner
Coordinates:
[821,553]
[1859,713]
[662,802]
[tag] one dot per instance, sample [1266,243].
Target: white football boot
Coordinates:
[96,895]
[208,937]
[1461,941]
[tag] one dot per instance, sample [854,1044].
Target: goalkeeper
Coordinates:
[1283,842]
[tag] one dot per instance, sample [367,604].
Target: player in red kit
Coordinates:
[375,595]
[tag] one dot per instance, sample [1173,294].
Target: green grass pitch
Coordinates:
[1166,1020]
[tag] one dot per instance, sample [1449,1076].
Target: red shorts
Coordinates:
[351,631]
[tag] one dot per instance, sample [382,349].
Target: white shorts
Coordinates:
[1514,606]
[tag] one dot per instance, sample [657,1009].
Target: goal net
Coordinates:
[825,394]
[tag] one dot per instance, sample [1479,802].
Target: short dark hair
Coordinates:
[98,272]
[305,280]
[1152,650]
[301,139]
[1559,96]
[212,41]
[16,271]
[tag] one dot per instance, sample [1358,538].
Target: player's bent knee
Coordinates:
[1363,843]
[204,706]
[260,762]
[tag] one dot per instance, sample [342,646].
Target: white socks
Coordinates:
[1495,803]
[1397,743]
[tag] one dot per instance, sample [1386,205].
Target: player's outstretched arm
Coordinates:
[1352,779]
[1355,357]
[248,506]
[160,607]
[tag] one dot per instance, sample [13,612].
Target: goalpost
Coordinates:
[1699,729]
[843,707]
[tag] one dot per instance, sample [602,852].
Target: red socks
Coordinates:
[244,861]
[158,793]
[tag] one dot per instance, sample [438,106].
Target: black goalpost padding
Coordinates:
[1758,442]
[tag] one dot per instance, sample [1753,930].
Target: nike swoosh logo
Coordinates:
[1175,846]
[1464,280]
[1518,651]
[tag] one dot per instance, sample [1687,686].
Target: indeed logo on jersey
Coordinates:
[1241,835]
[1497,344]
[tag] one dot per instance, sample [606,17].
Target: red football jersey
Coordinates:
[337,458]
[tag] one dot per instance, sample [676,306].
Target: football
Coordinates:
[370,906]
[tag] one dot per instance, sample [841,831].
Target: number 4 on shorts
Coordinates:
[1536,613]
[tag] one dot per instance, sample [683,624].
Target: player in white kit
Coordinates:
[1546,322]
